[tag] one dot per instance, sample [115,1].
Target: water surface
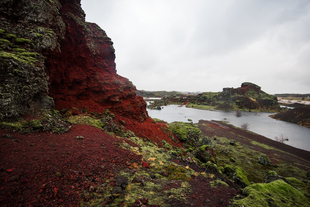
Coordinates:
[259,123]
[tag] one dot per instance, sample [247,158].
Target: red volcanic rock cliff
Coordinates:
[51,58]
[82,73]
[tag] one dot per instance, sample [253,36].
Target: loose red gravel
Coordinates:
[42,169]
[155,132]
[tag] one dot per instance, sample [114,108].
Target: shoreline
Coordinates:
[304,154]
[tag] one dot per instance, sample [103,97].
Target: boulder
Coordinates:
[264,160]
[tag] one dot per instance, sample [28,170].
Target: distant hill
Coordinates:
[162,93]
[247,97]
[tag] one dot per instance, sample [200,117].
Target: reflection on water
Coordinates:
[259,123]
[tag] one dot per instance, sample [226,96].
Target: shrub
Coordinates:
[281,138]
[245,126]
[238,114]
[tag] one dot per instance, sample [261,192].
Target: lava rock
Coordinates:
[144,200]
[232,142]
[137,203]
[117,190]
[121,181]
[264,160]
[206,141]
[145,165]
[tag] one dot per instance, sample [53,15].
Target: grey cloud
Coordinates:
[207,45]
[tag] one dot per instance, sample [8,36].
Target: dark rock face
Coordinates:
[27,30]
[47,49]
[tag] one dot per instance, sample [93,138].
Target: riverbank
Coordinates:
[299,115]
[212,108]
[276,150]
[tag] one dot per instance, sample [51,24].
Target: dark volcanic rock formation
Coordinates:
[248,96]
[48,50]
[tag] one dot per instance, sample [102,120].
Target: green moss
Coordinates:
[262,145]
[4,41]
[252,93]
[304,187]
[221,169]
[10,36]
[177,173]
[277,193]
[15,125]
[204,147]
[212,166]
[167,145]
[27,54]
[247,159]
[86,120]
[24,57]
[58,174]
[2,31]
[36,124]
[22,41]
[232,159]
[204,107]
[216,183]
[241,174]
[19,50]
[272,173]
[264,160]
[183,131]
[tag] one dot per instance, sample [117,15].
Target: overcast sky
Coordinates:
[206,45]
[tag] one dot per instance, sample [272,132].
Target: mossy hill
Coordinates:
[247,97]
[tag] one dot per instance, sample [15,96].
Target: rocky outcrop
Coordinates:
[27,30]
[248,96]
[49,54]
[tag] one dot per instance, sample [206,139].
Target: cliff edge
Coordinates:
[50,57]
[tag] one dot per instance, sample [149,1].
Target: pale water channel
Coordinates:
[259,123]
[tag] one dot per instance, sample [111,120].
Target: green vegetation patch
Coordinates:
[183,131]
[24,57]
[277,193]
[22,41]
[165,171]
[216,183]
[86,120]
[177,173]
[4,41]
[204,107]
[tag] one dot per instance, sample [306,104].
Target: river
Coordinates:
[259,123]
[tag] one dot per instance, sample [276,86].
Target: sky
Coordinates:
[207,45]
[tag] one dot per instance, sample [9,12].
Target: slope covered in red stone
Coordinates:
[42,169]
[83,72]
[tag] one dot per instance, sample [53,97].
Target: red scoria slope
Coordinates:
[82,73]
[42,169]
